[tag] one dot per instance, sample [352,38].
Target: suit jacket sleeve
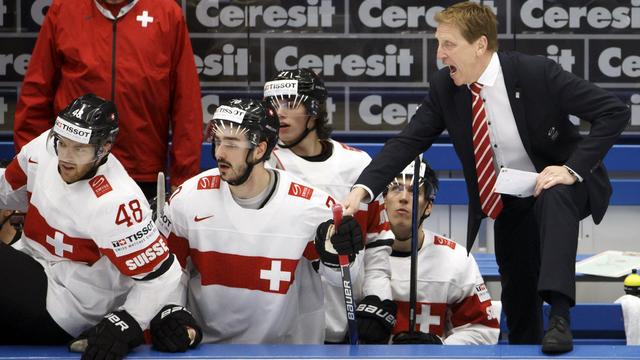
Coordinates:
[606,113]
[424,127]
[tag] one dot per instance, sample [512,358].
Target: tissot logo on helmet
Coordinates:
[281,88]
[224,112]
[71,131]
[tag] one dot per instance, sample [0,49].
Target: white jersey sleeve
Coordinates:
[472,320]
[125,233]
[14,179]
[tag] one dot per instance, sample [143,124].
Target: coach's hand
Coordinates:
[112,338]
[552,176]
[353,200]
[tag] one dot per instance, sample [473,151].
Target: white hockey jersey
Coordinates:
[92,237]
[452,300]
[336,175]
[251,274]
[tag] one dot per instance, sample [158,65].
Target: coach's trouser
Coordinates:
[24,319]
[536,240]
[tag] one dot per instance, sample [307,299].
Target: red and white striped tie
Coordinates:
[490,201]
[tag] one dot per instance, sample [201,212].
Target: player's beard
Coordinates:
[235,175]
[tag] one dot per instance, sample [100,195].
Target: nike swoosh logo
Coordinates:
[198,219]
[31,161]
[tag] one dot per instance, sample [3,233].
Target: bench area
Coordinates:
[598,328]
[442,157]
[580,351]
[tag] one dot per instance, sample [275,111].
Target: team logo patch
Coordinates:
[300,191]
[100,185]
[438,240]
[209,182]
[482,292]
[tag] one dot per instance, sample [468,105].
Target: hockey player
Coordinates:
[306,151]
[245,235]
[91,263]
[453,304]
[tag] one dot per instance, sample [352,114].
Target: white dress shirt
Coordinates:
[507,146]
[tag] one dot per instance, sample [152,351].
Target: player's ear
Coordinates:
[260,150]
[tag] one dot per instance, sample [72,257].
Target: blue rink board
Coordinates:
[344,351]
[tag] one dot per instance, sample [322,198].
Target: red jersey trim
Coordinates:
[246,272]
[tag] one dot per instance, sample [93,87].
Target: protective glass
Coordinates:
[230,136]
[71,151]
[397,187]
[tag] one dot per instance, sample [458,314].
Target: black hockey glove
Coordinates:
[169,329]
[376,319]
[112,338]
[346,241]
[418,337]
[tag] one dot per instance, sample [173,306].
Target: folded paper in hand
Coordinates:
[516,182]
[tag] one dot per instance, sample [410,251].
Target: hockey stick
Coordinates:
[160,195]
[414,246]
[347,285]
[160,200]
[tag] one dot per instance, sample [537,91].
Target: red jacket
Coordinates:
[146,67]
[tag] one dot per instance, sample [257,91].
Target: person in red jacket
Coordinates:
[136,53]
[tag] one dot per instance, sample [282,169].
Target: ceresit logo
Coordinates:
[537,14]
[635,109]
[3,12]
[18,63]
[281,88]
[224,112]
[71,131]
[614,64]
[372,14]
[393,62]
[37,10]
[233,61]
[564,57]
[312,13]
[373,111]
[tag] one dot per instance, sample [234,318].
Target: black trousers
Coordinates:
[149,189]
[536,241]
[24,319]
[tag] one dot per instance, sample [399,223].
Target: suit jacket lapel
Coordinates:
[514,91]
[463,108]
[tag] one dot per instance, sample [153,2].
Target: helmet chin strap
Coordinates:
[302,136]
